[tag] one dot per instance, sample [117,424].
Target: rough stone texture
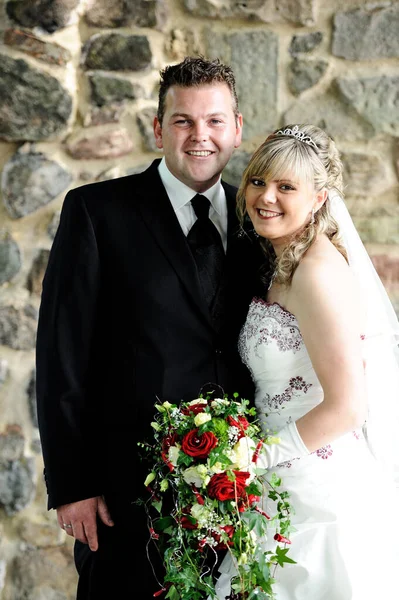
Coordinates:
[53,224]
[234,169]
[106,13]
[107,144]
[106,89]
[17,473]
[388,269]
[367,33]
[44,574]
[145,119]
[182,43]
[10,257]
[33,105]
[35,277]
[17,484]
[3,570]
[375,99]
[305,43]
[329,113]
[36,446]
[301,12]
[117,52]
[48,52]
[42,534]
[118,13]
[12,443]
[29,181]
[50,15]
[379,226]
[363,171]
[3,370]
[305,73]
[253,56]
[103,115]
[17,329]
[112,173]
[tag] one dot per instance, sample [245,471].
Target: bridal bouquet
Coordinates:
[205,486]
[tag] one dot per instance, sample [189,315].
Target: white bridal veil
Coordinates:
[381,346]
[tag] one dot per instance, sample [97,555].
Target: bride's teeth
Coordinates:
[200,153]
[267,213]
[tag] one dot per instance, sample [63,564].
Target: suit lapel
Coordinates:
[233,229]
[161,220]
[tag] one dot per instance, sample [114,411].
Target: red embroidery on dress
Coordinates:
[324,452]
[356,434]
[296,384]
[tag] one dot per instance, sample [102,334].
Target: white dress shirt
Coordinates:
[180,196]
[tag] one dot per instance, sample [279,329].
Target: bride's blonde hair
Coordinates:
[317,163]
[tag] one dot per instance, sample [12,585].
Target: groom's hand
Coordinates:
[79,519]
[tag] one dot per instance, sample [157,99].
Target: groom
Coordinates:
[143,298]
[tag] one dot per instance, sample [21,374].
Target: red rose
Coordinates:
[198,446]
[221,545]
[194,409]
[222,488]
[241,423]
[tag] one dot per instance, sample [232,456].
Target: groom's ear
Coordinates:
[158,133]
[239,124]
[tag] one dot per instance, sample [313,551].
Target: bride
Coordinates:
[320,346]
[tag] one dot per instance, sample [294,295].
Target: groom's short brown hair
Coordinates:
[192,72]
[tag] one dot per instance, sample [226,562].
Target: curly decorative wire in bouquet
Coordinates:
[203,460]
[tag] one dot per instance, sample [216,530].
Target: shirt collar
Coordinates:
[180,194]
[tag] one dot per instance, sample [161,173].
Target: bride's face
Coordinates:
[280,208]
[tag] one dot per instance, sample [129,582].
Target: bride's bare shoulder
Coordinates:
[324,273]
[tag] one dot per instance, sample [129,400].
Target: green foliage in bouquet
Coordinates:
[203,459]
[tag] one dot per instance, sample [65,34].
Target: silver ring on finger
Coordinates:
[67,526]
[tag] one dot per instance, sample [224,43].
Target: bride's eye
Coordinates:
[257,182]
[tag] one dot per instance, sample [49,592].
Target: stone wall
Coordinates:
[78,89]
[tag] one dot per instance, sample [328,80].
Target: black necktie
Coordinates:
[207,248]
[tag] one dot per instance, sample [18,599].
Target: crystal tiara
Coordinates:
[299,135]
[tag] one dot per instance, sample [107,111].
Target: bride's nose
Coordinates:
[269,194]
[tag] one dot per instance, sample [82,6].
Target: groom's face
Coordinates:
[198,133]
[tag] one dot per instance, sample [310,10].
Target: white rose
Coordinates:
[220,402]
[202,418]
[243,452]
[198,401]
[173,454]
[217,467]
[191,475]
[200,513]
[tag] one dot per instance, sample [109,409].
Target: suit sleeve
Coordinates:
[67,418]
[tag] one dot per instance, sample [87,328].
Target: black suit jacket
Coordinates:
[123,323]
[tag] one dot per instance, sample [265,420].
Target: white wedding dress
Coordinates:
[345,545]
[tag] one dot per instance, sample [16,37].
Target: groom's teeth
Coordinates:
[200,152]
[268,213]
